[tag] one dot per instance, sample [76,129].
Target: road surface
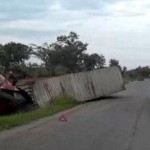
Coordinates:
[118,123]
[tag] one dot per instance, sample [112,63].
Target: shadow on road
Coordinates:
[113,97]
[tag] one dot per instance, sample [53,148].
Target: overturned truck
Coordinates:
[82,86]
[12,98]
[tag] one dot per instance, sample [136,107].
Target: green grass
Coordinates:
[60,104]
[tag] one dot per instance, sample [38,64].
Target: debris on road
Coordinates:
[63,118]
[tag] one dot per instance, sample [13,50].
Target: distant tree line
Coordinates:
[66,55]
[139,73]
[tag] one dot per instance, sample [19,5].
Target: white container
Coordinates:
[82,86]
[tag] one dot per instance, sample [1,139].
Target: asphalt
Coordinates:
[120,122]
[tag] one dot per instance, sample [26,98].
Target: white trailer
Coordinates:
[82,86]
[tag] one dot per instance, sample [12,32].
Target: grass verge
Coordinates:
[60,104]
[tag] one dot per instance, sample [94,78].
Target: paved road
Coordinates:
[119,123]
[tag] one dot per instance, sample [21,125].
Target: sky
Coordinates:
[118,29]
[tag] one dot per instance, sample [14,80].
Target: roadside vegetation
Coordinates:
[138,74]
[60,104]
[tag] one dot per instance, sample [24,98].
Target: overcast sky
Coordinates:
[115,28]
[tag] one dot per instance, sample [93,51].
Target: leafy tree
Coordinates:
[66,52]
[113,62]
[143,71]
[13,53]
[68,55]
[94,61]
[98,61]
[20,70]
[139,73]
[60,70]
[35,70]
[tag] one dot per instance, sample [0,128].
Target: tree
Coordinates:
[68,55]
[94,61]
[35,70]
[143,71]
[139,73]
[66,52]
[13,53]
[113,62]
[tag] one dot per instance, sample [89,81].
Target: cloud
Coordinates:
[85,4]
[130,8]
[16,9]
